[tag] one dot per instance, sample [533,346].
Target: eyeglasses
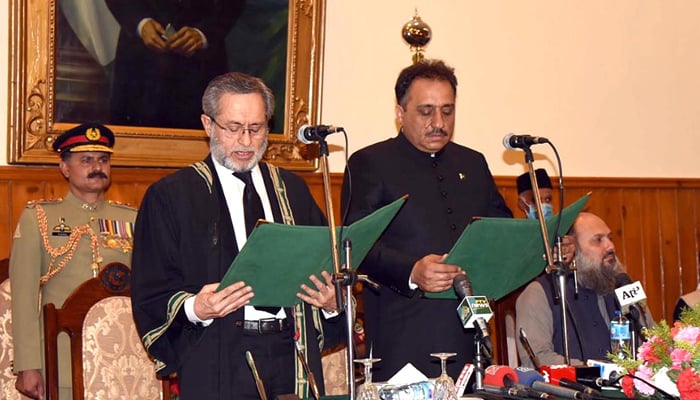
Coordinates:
[235,129]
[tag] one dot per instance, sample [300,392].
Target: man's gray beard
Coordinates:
[220,155]
[595,275]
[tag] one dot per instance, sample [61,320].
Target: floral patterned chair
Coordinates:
[335,371]
[108,360]
[7,377]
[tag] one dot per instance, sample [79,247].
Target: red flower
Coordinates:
[628,386]
[689,385]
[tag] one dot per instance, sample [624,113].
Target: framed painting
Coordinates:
[69,64]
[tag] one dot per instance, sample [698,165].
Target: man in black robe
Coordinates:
[448,185]
[190,227]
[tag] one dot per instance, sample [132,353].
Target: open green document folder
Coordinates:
[278,258]
[501,254]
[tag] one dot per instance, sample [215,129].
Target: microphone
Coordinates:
[561,391]
[568,383]
[500,375]
[631,297]
[308,134]
[503,376]
[612,380]
[473,311]
[553,373]
[512,141]
[527,376]
[508,392]
[462,285]
[528,349]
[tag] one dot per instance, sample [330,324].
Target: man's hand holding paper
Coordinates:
[261,268]
[210,304]
[431,274]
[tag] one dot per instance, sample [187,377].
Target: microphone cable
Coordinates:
[663,393]
[346,210]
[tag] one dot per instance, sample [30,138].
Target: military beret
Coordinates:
[543,180]
[85,137]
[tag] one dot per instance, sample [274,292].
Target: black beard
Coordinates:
[595,275]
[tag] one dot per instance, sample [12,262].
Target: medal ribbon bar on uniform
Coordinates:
[115,228]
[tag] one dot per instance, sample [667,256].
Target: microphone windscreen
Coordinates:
[462,286]
[500,375]
[554,372]
[622,279]
[527,376]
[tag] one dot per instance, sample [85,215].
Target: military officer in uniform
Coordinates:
[58,244]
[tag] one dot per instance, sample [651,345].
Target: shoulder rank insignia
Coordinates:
[34,203]
[122,205]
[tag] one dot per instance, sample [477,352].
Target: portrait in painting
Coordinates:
[147,63]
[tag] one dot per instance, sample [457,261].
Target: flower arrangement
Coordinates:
[669,360]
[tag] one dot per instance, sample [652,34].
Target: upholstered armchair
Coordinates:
[108,360]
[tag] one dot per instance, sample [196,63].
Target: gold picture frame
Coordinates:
[32,94]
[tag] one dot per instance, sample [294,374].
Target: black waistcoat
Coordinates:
[589,335]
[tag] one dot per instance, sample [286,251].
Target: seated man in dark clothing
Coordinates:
[590,311]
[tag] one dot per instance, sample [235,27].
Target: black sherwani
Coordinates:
[184,240]
[445,192]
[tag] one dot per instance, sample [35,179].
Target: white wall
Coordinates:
[614,84]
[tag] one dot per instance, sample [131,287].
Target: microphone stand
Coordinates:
[479,358]
[346,277]
[558,269]
[478,364]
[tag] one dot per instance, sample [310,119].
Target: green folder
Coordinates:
[502,254]
[278,258]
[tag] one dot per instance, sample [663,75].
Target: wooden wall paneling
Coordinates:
[55,188]
[130,184]
[656,222]
[629,242]
[129,193]
[668,240]
[511,198]
[573,194]
[606,202]
[688,238]
[315,183]
[651,250]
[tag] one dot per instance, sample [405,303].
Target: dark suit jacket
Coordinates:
[165,89]
[445,192]
[184,240]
